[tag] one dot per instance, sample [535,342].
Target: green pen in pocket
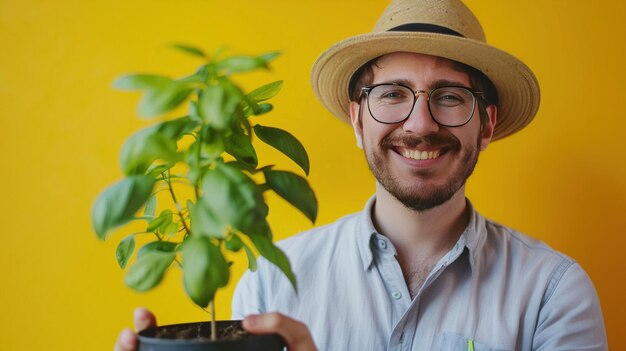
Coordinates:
[470,345]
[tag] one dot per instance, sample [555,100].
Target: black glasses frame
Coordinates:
[475,95]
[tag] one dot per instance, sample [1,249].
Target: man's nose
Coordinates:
[420,122]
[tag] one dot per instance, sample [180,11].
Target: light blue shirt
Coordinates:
[497,289]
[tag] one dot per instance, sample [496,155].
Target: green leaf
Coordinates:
[159,101]
[295,189]
[141,82]
[209,151]
[261,227]
[242,166]
[164,219]
[156,170]
[124,250]
[194,112]
[143,148]
[251,258]
[153,143]
[204,269]
[285,143]
[118,204]
[189,50]
[245,123]
[239,64]
[213,145]
[194,79]
[275,255]
[204,221]
[177,128]
[265,92]
[263,109]
[194,173]
[257,109]
[234,243]
[148,270]
[207,71]
[239,145]
[210,105]
[234,197]
[170,229]
[269,56]
[233,96]
[150,207]
[158,246]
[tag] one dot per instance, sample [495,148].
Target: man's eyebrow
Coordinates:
[435,84]
[400,81]
[446,82]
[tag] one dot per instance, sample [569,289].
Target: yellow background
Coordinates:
[560,180]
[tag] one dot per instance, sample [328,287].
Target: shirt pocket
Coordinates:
[453,342]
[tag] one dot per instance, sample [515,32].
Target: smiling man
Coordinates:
[421,145]
[419,268]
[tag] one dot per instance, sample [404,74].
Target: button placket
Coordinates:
[393,279]
[393,274]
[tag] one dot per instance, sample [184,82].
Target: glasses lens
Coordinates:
[451,106]
[390,103]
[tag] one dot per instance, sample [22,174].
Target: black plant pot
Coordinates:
[196,338]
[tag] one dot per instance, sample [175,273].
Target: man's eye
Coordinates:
[393,95]
[450,97]
[446,98]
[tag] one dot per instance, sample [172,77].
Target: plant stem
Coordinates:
[200,139]
[213,324]
[178,208]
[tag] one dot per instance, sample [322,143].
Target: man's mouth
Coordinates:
[428,147]
[419,155]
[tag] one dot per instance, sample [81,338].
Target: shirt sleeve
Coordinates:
[571,316]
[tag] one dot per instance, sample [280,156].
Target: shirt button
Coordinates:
[382,244]
[396,295]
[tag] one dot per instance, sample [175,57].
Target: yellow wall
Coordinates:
[561,180]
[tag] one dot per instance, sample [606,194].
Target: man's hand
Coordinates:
[127,340]
[295,333]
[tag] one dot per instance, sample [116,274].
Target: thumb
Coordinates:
[295,333]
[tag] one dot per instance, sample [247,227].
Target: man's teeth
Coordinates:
[420,155]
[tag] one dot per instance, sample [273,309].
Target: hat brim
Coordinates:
[517,86]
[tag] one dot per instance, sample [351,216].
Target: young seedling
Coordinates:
[207,166]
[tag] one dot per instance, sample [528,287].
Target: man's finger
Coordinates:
[126,341]
[143,319]
[295,333]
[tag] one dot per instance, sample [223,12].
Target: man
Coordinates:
[419,268]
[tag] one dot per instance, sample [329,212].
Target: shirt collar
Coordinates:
[475,234]
[472,238]
[365,233]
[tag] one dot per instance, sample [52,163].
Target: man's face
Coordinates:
[417,161]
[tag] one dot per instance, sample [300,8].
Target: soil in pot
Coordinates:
[196,337]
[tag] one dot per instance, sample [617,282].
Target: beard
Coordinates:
[419,195]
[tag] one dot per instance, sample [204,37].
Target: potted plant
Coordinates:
[196,182]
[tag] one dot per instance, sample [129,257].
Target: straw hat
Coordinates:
[445,28]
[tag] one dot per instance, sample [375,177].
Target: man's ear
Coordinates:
[356,123]
[488,126]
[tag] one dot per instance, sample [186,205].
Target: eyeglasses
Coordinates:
[449,106]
